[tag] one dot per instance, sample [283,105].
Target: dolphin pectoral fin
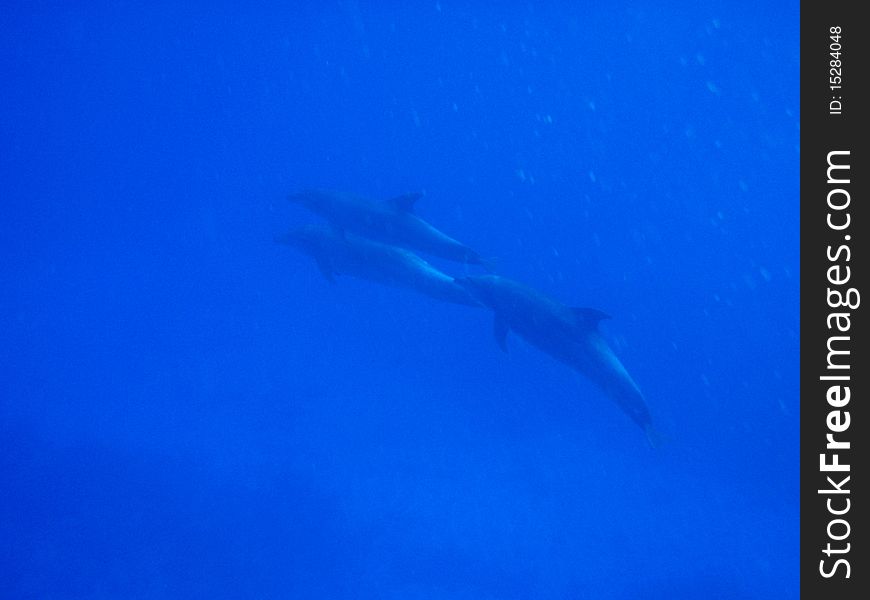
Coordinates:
[589,317]
[500,330]
[654,437]
[326,270]
[405,202]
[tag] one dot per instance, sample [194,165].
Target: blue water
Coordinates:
[188,410]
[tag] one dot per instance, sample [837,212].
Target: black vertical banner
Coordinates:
[835,371]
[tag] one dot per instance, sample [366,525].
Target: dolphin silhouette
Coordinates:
[569,335]
[358,257]
[392,222]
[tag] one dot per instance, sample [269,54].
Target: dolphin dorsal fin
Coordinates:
[405,202]
[589,317]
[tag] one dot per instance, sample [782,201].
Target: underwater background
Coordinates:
[189,410]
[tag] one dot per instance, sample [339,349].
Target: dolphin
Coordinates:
[568,334]
[358,257]
[392,222]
